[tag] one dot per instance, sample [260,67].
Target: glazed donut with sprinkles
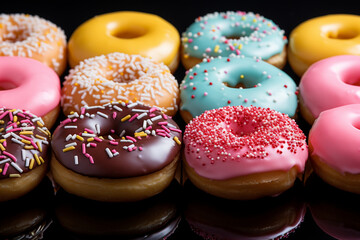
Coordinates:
[233,33]
[234,81]
[33,37]
[116,152]
[118,76]
[238,152]
[24,144]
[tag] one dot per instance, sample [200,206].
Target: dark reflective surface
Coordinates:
[314,211]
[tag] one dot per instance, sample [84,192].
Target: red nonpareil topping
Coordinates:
[237,127]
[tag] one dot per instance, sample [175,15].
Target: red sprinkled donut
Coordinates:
[235,144]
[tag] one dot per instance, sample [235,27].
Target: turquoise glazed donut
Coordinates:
[233,33]
[233,81]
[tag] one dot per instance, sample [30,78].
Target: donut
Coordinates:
[243,153]
[33,37]
[116,152]
[233,33]
[118,76]
[333,141]
[128,32]
[28,84]
[24,144]
[336,78]
[233,81]
[323,37]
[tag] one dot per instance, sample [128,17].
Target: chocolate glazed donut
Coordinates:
[24,144]
[116,142]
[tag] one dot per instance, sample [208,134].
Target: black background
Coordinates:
[342,208]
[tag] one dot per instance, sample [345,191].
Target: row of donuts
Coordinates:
[105,72]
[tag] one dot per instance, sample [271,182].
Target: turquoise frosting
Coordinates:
[237,80]
[238,33]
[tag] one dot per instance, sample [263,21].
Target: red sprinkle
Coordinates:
[262,128]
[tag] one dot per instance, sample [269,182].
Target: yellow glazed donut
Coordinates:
[323,37]
[128,32]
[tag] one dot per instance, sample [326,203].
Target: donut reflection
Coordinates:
[335,212]
[268,218]
[153,218]
[27,217]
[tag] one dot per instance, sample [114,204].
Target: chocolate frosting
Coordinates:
[24,142]
[110,150]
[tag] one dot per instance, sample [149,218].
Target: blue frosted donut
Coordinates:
[233,81]
[238,33]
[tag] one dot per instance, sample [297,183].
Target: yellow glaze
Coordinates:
[323,37]
[128,32]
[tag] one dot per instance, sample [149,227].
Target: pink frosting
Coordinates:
[28,84]
[235,141]
[331,82]
[335,138]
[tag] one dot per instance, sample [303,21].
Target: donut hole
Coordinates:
[129,32]
[241,130]
[354,81]
[124,74]
[7,85]
[18,33]
[239,82]
[236,35]
[356,125]
[342,34]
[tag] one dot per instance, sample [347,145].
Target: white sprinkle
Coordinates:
[27,162]
[109,153]
[122,133]
[76,160]
[70,126]
[142,115]
[149,122]
[117,108]
[132,104]
[17,141]
[139,110]
[102,114]
[88,135]
[68,137]
[156,118]
[71,144]
[5,160]
[139,129]
[16,167]
[97,128]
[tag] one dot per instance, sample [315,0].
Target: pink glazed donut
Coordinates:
[243,153]
[28,84]
[334,143]
[329,83]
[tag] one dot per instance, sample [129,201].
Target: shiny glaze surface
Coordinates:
[323,37]
[237,141]
[215,83]
[239,33]
[24,142]
[337,79]
[104,143]
[335,138]
[127,32]
[28,84]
